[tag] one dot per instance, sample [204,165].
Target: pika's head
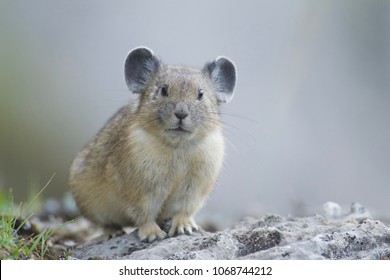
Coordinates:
[178,103]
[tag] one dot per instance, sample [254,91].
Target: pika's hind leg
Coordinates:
[112,232]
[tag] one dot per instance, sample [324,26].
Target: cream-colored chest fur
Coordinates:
[180,175]
[154,159]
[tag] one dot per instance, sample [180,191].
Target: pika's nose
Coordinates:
[181,115]
[181,110]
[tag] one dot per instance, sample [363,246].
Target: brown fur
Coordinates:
[137,170]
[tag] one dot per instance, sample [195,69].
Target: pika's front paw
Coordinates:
[182,224]
[150,232]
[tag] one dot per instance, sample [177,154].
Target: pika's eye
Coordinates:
[200,94]
[164,90]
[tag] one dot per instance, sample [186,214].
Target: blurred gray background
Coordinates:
[309,122]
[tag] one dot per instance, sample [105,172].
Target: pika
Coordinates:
[157,158]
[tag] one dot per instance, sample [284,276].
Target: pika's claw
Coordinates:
[182,224]
[150,232]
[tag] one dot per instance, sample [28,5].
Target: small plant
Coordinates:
[15,241]
[8,243]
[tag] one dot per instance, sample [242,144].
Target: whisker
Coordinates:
[230,143]
[235,115]
[225,125]
[240,117]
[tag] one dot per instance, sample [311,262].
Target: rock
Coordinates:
[52,207]
[353,235]
[331,210]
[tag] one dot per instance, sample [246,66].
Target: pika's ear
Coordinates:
[222,73]
[140,67]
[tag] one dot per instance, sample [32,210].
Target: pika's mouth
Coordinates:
[179,130]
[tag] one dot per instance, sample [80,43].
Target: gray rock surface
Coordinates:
[335,235]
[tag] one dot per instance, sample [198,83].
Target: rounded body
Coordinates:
[157,158]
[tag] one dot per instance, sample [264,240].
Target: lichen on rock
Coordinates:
[335,235]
